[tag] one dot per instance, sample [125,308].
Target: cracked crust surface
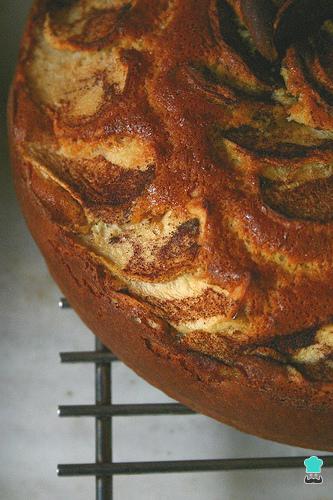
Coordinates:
[196,179]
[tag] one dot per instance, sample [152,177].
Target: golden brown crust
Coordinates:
[254,395]
[181,192]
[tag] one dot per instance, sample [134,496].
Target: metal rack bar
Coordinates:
[103,425]
[170,466]
[87,357]
[63,303]
[123,410]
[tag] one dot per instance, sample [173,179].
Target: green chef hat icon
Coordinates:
[313,465]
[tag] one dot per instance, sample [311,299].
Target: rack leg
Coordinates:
[103,429]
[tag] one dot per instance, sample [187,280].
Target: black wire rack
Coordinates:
[104,468]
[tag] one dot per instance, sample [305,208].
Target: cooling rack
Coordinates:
[104,411]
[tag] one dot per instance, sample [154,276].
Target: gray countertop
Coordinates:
[33,383]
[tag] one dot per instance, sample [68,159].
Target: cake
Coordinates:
[174,163]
